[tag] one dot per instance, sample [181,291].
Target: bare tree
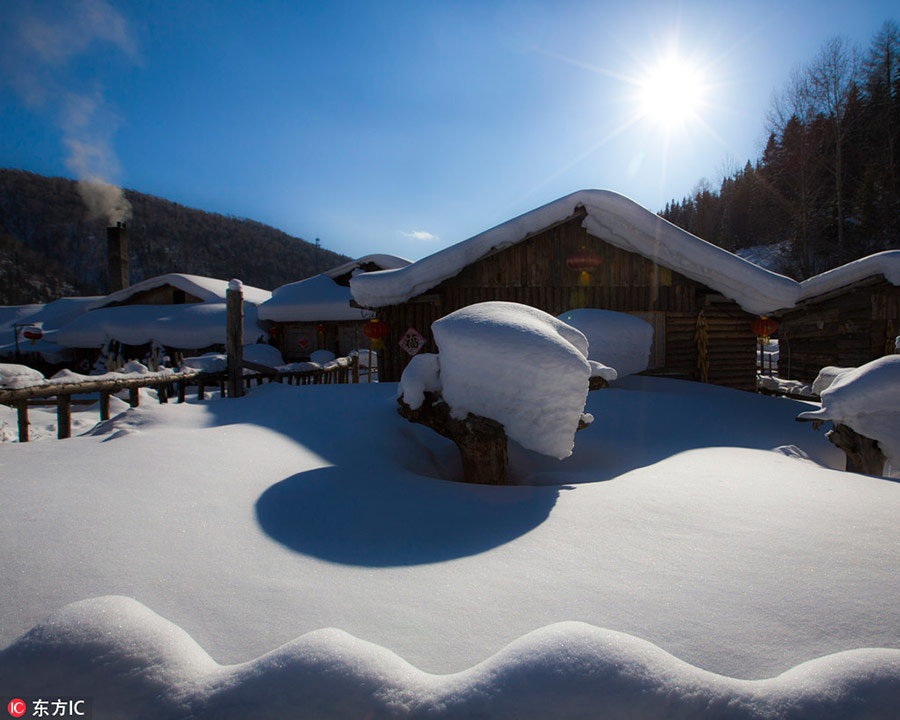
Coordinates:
[833,81]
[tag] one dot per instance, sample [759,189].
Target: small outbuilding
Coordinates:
[591,249]
[845,317]
[316,313]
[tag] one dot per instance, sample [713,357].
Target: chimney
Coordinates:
[117,257]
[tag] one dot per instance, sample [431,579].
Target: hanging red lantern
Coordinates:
[273,331]
[374,329]
[764,326]
[584,259]
[320,328]
[33,333]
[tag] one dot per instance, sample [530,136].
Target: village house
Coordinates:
[845,317]
[316,314]
[176,314]
[590,249]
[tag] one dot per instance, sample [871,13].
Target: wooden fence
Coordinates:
[344,370]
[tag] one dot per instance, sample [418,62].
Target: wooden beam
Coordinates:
[234,337]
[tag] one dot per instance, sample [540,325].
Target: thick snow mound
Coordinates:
[190,326]
[617,340]
[611,217]
[519,366]
[134,663]
[263,354]
[867,399]
[315,299]
[14,376]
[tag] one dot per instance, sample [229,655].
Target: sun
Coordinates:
[671,92]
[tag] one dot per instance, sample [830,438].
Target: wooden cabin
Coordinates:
[570,255]
[316,313]
[845,317]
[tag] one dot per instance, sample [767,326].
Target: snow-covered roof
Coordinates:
[189,326]
[611,217]
[315,299]
[884,263]
[382,261]
[207,289]
[320,298]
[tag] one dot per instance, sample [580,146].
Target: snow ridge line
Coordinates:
[134,663]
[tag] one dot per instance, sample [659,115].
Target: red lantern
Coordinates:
[33,333]
[273,331]
[374,329]
[764,326]
[320,328]
[583,259]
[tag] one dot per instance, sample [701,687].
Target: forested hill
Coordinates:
[827,187]
[49,248]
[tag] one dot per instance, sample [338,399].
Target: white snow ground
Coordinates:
[684,549]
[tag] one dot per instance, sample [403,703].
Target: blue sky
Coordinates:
[398,127]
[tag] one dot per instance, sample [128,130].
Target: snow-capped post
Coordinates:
[234,337]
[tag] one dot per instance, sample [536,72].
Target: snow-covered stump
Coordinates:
[482,442]
[504,371]
[863,453]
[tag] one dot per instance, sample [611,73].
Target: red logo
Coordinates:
[17,707]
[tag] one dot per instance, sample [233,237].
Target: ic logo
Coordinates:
[17,707]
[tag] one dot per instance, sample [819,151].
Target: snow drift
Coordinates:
[134,663]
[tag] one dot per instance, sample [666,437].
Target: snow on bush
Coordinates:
[14,376]
[617,340]
[421,375]
[867,399]
[519,366]
[321,357]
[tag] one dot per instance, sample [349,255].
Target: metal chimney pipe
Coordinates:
[117,257]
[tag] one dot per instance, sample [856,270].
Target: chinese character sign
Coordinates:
[412,341]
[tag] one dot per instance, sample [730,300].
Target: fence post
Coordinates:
[63,416]
[104,405]
[22,407]
[234,337]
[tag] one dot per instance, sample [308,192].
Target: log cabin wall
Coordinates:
[296,340]
[534,272]
[846,328]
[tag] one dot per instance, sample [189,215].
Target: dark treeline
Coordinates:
[50,247]
[827,184]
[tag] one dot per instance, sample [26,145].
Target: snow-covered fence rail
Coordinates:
[340,371]
[21,398]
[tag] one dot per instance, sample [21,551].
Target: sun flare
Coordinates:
[671,92]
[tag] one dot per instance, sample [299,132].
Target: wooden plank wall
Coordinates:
[847,330]
[534,272]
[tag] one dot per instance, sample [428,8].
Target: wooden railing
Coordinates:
[166,385]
